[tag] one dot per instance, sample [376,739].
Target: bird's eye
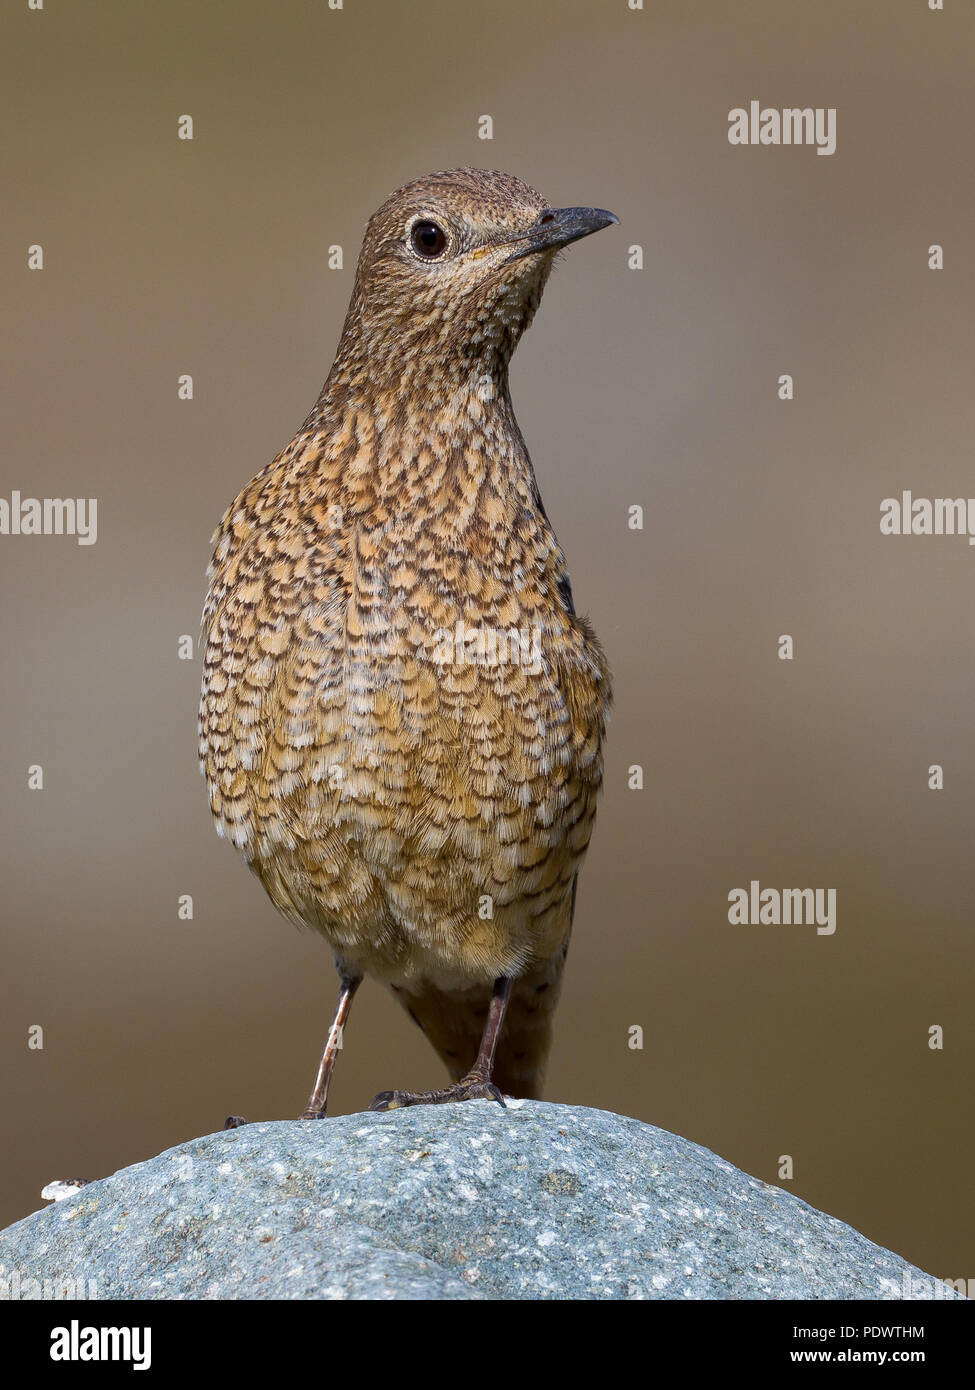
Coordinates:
[428,240]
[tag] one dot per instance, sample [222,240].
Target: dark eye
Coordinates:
[428,239]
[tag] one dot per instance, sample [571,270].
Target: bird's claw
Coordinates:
[470,1088]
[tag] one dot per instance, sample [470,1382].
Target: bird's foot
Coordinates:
[235,1121]
[470,1087]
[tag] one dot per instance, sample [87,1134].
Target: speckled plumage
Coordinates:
[427,815]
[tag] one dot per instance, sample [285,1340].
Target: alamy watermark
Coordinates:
[488,646]
[793,125]
[50,516]
[16,1287]
[908,515]
[916,1286]
[77,1343]
[756,906]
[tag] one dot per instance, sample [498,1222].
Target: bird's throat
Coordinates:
[449,451]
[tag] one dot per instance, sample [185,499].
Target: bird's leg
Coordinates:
[317,1101]
[477,1084]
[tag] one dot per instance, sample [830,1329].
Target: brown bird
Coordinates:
[402,714]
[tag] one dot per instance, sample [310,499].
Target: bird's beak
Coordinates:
[557,227]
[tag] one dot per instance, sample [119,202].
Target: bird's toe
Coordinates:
[468,1088]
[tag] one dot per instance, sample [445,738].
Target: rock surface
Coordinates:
[454,1202]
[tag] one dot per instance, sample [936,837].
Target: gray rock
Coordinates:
[454,1202]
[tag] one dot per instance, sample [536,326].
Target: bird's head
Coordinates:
[451,272]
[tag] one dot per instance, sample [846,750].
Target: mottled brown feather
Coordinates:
[379,794]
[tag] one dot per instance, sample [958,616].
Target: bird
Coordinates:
[402,714]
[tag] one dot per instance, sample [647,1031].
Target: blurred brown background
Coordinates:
[655,387]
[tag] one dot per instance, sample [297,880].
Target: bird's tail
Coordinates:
[454,1021]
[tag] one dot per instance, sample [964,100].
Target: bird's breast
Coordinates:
[401,723]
